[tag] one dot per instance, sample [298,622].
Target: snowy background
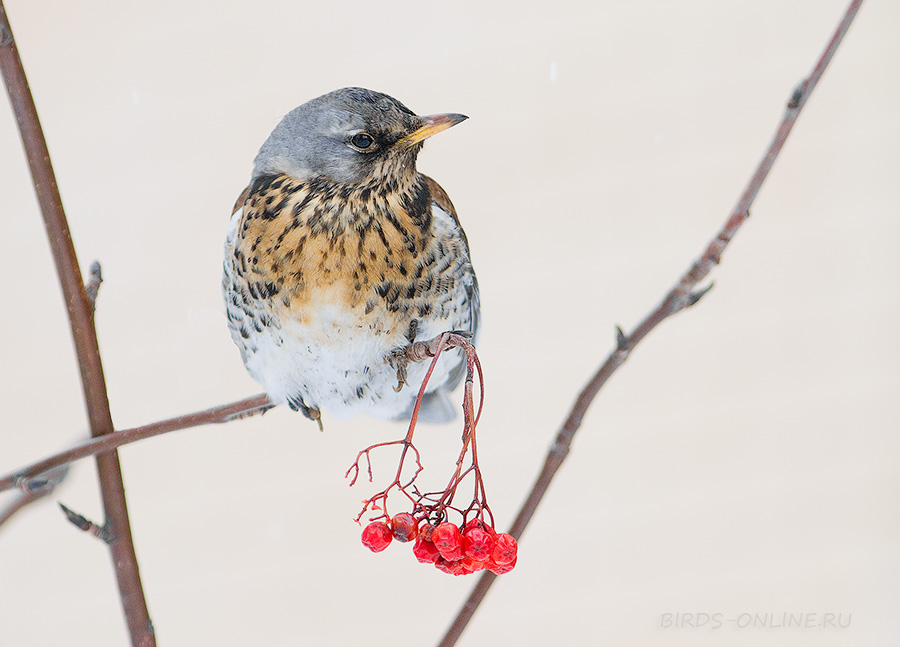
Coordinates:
[744,460]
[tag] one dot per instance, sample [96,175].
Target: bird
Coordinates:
[340,254]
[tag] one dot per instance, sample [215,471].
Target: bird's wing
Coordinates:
[442,206]
[241,200]
[441,200]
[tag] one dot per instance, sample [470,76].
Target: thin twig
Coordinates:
[225,413]
[80,311]
[20,503]
[680,297]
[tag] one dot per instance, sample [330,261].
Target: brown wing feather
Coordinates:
[241,200]
[440,197]
[442,200]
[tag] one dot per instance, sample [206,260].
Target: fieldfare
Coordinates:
[340,254]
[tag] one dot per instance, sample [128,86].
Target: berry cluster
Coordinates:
[474,547]
[458,550]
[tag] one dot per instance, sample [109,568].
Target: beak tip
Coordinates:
[445,120]
[433,124]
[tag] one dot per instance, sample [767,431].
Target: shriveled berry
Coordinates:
[425,531]
[454,567]
[474,565]
[497,569]
[404,526]
[377,536]
[478,544]
[448,540]
[480,524]
[505,549]
[425,551]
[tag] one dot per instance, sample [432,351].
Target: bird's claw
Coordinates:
[399,359]
[315,414]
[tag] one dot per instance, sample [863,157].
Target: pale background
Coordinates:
[745,460]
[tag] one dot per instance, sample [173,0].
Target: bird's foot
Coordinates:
[399,358]
[400,361]
[297,404]
[315,414]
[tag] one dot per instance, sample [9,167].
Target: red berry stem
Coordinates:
[456,549]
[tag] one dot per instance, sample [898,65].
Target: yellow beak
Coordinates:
[431,125]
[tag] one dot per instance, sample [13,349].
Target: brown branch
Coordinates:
[680,297]
[81,320]
[23,477]
[23,500]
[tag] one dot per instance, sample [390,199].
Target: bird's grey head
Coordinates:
[351,135]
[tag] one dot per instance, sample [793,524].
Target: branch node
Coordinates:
[86,525]
[696,295]
[560,449]
[92,287]
[797,97]
[621,339]
[43,483]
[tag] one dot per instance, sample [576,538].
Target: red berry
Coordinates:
[448,541]
[425,551]
[455,568]
[480,524]
[505,549]
[425,531]
[404,526]
[496,569]
[478,544]
[376,536]
[474,565]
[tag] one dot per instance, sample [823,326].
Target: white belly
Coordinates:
[339,365]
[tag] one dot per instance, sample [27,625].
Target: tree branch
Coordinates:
[679,297]
[23,477]
[81,320]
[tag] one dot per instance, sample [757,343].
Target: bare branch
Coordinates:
[225,413]
[257,404]
[680,297]
[18,504]
[81,320]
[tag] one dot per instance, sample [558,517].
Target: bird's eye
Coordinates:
[362,141]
